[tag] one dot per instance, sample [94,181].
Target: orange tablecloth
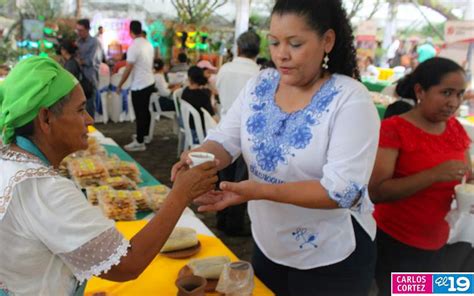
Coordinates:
[159,277]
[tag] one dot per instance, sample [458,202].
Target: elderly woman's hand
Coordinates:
[196,181]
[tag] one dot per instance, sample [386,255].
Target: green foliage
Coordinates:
[42,9]
[196,12]
[423,32]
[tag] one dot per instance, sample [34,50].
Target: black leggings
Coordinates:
[352,276]
[141,102]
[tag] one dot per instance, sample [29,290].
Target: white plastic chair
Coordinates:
[116,111]
[104,93]
[156,113]
[179,120]
[188,111]
[209,121]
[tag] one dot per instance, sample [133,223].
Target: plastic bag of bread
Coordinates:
[117,204]
[92,193]
[140,200]
[117,167]
[87,171]
[181,238]
[155,196]
[210,267]
[120,183]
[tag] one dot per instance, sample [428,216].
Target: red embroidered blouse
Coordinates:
[418,220]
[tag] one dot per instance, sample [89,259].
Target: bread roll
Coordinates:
[210,267]
[180,238]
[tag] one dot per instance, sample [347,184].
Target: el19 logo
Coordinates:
[453,283]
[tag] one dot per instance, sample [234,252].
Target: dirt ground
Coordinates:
[158,159]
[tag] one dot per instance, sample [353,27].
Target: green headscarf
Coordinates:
[34,83]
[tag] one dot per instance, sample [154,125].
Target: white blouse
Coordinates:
[333,140]
[51,238]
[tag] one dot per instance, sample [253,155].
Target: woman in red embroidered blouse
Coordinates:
[422,155]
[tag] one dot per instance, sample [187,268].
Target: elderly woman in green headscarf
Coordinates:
[52,240]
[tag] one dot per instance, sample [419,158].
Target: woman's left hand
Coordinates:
[231,194]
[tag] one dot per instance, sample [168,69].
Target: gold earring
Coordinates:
[325,61]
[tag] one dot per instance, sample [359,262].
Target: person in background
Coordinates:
[68,52]
[90,57]
[210,73]
[140,66]
[426,51]
[162,87]
[400,51]
[198,95]
[103,46]
[4,70]
[178,74]
[262,62]
[308,131]
[182,65]
[233,76]
[366,67]
[422,155]
[379,52]
[120,64]
[231,80]
[392,50]
[52,239]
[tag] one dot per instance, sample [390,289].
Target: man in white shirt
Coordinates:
[231,79]
[233,76]
[140,56]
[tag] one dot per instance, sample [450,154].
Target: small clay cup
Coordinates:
[191,286]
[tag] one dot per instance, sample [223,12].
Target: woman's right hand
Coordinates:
[451,170]
[196,181]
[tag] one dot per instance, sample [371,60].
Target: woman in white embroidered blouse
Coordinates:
[308,132]
[52,240]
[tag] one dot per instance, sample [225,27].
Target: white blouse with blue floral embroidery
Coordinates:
[333,140]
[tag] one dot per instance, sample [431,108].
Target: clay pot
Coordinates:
[191,286]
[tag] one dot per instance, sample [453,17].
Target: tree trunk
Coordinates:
[78,8]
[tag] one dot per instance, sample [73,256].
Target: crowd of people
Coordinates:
[299,145]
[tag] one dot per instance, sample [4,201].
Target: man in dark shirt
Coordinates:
[90,55]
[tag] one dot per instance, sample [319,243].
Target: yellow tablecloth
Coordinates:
[158,279]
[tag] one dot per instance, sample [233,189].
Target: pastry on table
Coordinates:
[117,204]
[155,196]
[120,183]
[181,238]
[140,200]
[209,267]
[92,192]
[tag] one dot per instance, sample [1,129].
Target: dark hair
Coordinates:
[249,44]
[69,46]
[135,27]
[100,27]
[427,74]
[85,23]
[196,75]
[158,64]
[182,58]
[261,61]
[397,108]
[322,15]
